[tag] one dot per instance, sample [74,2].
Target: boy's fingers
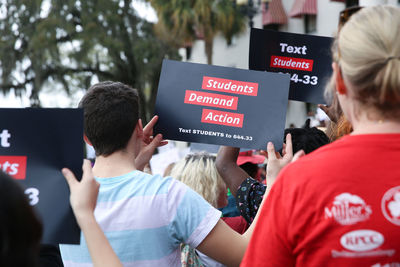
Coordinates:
[149,127]
[87,169]
[163,143]
[156,142]
[69,176]
[160,143]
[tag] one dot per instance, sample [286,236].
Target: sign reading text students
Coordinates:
[306,58]
[220,105]
[35,144]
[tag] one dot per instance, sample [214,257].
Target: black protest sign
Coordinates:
[306,58]
[35,145]
[220,105]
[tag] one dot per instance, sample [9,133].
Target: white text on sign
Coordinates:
[293,49]
[4,136]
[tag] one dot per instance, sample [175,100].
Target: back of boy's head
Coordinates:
[111,112]
[306,138]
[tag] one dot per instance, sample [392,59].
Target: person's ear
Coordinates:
[87,140]
[340,85]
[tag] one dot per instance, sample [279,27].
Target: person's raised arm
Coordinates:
[215,244]
[230,172]
[83,199]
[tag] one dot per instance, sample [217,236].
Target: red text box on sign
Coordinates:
[211,100]
[15,166]
[222,118]
[291,63]
[230,86]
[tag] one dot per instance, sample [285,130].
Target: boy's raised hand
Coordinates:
[149,144]
[84,193]
[83,200]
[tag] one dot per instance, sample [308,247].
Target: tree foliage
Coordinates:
[183,21]
[45,42]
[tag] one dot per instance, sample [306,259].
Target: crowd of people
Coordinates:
[323,203]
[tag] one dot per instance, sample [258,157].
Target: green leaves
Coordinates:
[46,43]
[183,21]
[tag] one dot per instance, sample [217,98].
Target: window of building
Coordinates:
[350,3]
[274,27]
[310,23]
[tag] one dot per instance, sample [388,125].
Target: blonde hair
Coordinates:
[369,57]
[198,171]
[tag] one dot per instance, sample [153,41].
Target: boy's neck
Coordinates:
[118,163]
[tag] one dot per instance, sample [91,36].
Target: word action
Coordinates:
[222,118]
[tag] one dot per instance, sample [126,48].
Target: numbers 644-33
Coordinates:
[305,79]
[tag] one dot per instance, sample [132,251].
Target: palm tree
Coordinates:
[183,21]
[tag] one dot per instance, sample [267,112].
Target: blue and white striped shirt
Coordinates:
[145,218]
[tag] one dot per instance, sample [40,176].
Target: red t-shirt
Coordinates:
[338,206]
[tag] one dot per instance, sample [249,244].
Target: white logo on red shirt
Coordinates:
[392,264]
[362,240]
[391,205]
[362,243]
[348,209]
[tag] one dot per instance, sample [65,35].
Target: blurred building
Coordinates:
[317,17]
